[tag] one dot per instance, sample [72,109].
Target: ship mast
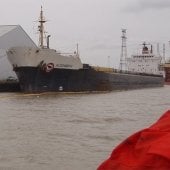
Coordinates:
[41,29]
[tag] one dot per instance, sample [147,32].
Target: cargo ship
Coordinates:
[43,69]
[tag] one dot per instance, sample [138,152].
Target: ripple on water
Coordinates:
[72,131]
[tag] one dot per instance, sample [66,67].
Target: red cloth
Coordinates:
[148,149]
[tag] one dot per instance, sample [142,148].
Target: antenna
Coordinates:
[108,61]
[158,51]
[123,55]
[164,51]
[77,49]
[41,29]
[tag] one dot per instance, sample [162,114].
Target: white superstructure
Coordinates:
[33,57]
[146,62]
[27,56]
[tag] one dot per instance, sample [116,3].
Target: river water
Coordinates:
[72,131]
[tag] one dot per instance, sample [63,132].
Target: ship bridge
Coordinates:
[145,62]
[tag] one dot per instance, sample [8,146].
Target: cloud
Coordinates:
[143,5]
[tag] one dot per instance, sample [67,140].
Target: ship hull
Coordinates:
[36,80]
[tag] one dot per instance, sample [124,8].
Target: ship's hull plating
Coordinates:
[35,80]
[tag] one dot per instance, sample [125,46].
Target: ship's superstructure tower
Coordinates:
[41,30]
[145,62]
[123,55]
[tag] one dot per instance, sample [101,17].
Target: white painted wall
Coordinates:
[144,64]
[11,36]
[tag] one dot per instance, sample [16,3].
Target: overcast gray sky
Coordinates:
[94,24]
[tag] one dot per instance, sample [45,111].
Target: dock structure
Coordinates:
[11,36]
[166,68]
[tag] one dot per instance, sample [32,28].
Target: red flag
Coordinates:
[148,149]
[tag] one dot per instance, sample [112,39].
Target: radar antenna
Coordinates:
[145,49]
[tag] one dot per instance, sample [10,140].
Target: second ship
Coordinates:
[47,70]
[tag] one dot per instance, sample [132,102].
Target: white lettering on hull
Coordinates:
[64,65]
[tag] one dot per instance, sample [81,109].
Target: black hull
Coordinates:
[36,80]
[9,87]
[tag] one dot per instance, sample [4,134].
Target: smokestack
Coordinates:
[151,49]
[48,41]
